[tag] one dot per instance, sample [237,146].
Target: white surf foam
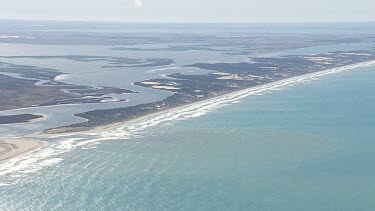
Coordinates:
[61,77]
[162,69]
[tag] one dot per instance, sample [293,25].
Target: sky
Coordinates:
[190,10]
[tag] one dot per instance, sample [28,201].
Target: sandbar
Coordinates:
[13,147]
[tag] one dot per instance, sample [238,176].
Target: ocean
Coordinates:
[307,145]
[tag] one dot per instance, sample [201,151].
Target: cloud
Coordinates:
[138,3]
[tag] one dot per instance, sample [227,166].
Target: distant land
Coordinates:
[31,86]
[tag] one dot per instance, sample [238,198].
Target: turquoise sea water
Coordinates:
[306,147]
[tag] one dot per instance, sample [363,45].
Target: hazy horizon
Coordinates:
[194,11]
[187,22]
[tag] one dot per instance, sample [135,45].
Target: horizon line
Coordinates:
[189,22]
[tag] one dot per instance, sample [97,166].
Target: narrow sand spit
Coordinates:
[12,147]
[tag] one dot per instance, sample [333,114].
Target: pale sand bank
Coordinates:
[43,118]
[13,147]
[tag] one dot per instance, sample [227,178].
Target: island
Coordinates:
[224,78]
[19,118]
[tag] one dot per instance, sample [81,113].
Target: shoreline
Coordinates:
[247,91]
[11,147]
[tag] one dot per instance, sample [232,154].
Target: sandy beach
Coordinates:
[13,147]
